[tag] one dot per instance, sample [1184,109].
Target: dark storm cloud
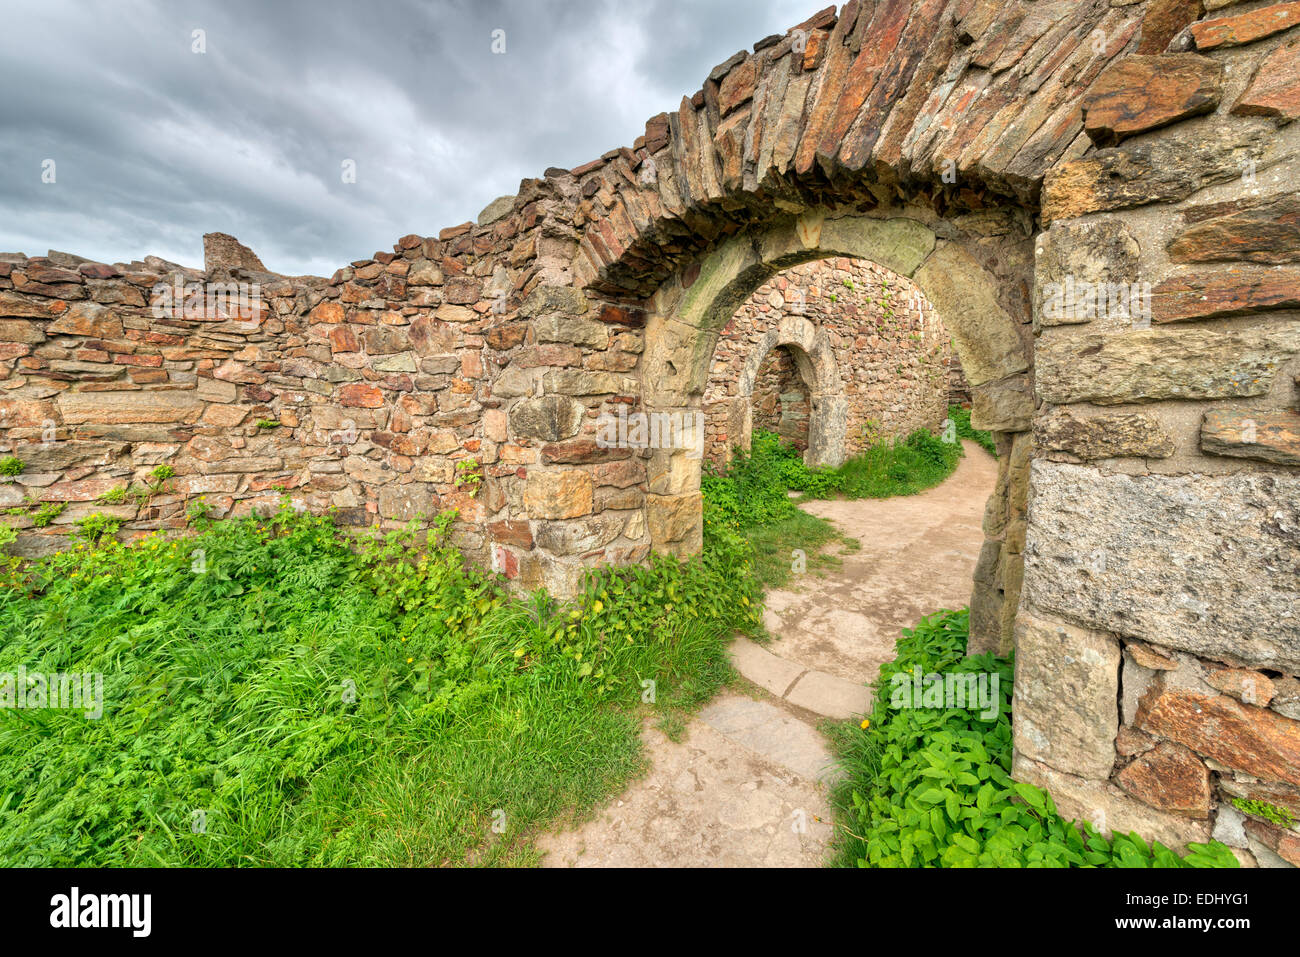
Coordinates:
[155,144]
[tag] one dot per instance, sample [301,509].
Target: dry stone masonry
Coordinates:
[838,354]
[1097,196]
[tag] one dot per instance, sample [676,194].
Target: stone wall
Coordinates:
[1158,640]
[890,353]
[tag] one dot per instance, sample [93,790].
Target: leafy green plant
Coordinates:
[328,701]
[197,512]
[12,465]
[268,424]
[47,513]
[94,527]
[932,787]
[114,496]
[469,476]
[1265,810]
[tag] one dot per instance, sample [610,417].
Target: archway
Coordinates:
[877,371]
[989,152]
[691,308]
[814,364]
[780,401]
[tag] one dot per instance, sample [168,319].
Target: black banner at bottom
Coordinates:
[335,907]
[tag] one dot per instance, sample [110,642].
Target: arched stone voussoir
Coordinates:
[989,341]
[898,243]
[675,364]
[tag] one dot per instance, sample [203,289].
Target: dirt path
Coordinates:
[746,785]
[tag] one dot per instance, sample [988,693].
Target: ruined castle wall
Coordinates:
[890,349]
[1143,541]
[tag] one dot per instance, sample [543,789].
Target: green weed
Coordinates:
[932,787]
[279,694]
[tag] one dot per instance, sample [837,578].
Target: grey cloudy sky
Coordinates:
[155,144]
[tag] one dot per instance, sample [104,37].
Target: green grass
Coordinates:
[752,497]
[775,547]
[322,702]
[931,786]
[961,418]
[752,492]
[901,467]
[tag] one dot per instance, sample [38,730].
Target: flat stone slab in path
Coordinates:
[814,691]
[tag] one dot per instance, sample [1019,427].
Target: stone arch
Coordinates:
[1004,155]
[815,360]
[686,315]
[689,309]
[1011,156]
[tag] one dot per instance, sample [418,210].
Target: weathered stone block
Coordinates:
[27,413]
[548,418]
[1275,90]
[360,395]
[575,330]
[1158,169]
[1143,93]
[1249,434]
[554,299]
[575,538]
[1102,435]
[558,494]
[1263,231]
[124,408]
[21,330]
[675,523]
[1257,741]
[1146,365]
[1066,693]
[1072,261]
[1170,778]
[1188,562]
[87,319]
[1245,27]
[575,382]
[1236,291]
[1005,405]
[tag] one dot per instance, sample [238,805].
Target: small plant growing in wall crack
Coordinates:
[469,476]
[1263,809]
[47,513]
[268,424]
[11,465]
[115,496]
[198,512]
[94,527]
[158,477]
